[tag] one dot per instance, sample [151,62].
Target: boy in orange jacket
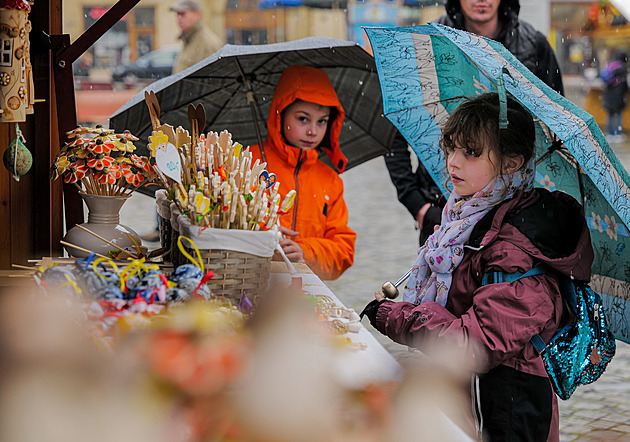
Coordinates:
[305,115]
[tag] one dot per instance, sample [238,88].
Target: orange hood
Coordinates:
[313,85]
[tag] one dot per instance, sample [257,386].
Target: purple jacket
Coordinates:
[531,228]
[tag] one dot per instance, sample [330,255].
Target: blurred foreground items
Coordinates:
[201,370]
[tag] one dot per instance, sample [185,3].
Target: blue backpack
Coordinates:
[583,345]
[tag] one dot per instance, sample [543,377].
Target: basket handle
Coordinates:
[182,249]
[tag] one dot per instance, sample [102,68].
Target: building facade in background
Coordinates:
[581,31]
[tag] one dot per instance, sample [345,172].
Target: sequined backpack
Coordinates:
[583,345]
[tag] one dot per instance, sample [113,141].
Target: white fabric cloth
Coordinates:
[260,243]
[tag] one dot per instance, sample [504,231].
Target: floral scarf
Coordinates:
[432,273]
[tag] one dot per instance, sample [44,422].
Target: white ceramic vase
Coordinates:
[103,220]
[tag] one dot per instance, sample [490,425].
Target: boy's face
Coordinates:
[470,171]
[304,124]
[480,11]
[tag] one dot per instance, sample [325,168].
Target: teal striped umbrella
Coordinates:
[427,71]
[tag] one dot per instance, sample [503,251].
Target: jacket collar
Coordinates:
[187,35]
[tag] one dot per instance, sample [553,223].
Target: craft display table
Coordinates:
[371,363]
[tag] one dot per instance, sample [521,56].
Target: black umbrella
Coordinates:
[224,81]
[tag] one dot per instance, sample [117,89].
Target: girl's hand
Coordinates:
[371,309]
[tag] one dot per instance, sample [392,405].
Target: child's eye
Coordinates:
[323,121]
[303,119]
[471,152]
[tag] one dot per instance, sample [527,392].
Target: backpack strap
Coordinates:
[499,277]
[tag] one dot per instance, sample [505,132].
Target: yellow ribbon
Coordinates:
[111,262]
[73,284]
[182,249]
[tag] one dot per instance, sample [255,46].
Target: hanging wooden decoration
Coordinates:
[16,72]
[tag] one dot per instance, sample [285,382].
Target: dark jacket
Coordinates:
[495,322]
[415,189]
[615,86]
[519,37]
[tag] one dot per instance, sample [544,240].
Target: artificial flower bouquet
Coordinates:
[100,162]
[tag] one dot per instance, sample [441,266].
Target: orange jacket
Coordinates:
[319,212]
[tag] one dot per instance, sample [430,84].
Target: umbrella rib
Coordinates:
[428,103]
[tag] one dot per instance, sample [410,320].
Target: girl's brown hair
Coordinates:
[475,125]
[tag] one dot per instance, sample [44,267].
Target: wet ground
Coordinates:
[386,247]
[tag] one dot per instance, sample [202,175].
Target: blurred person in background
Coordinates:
[494,19]
[614,100]
[198,40]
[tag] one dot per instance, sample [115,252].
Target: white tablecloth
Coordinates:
[359,367]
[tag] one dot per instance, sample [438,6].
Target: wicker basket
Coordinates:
[240,259]
[166,232]
[164,218]
[176,256]
[235,273]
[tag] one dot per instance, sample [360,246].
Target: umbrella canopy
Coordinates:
[221,83]
[427,71]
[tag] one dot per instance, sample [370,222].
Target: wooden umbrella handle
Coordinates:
[154,108]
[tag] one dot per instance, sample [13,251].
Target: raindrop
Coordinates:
[360,82]
[349,127]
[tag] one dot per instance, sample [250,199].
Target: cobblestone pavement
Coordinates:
[386,247]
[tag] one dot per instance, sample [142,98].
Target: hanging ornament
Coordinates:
[16,71]
[17,158]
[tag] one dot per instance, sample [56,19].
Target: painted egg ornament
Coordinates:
[59,280]
[111,291]
[186,271]
[146,288]
[175,294]
[189,286]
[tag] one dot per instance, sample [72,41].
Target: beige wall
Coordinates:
[431,13]
[166,30]
[309,22]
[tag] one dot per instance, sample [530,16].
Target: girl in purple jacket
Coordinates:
[494,221]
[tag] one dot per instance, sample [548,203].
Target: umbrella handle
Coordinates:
[154,108]
[503,120]
[252,105]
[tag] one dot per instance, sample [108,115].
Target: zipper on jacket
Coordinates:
[296,171]
[476,406]
[476,249]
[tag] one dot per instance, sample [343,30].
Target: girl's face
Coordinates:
[304,124]
[469,170]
